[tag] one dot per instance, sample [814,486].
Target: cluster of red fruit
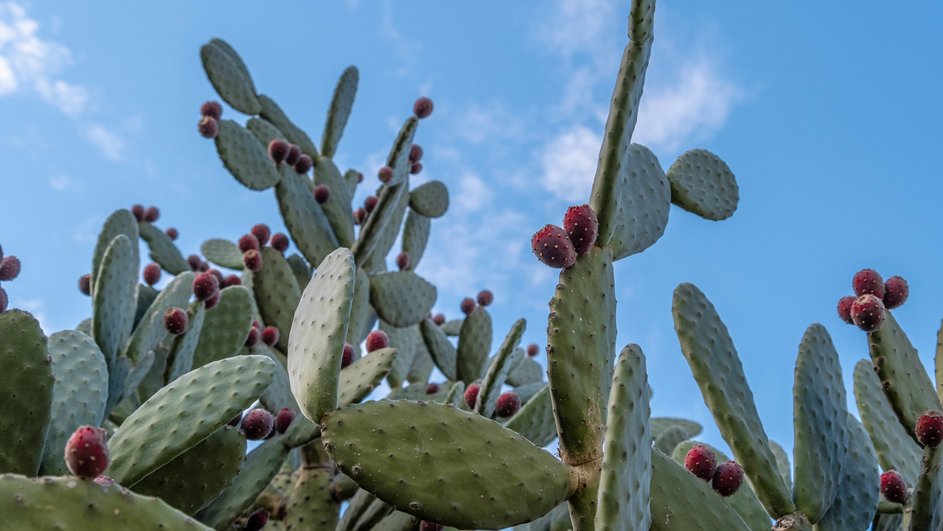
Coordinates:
[558,247]
[259,423]
[507,405]
[269,335]
[251,245]
[929,432]
[485,297]
[725,478]
[281,150]
[9,269]
[873,297]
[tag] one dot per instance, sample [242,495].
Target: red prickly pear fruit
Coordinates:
[283,419]
[360,215]
[216,273]
[279,242]
[252,259]
[581,226]
[415,153]
[467,305]
[415,168]
[138,211]
[232,280]
[896,291]
[727,478]
[370,203]
[248,242]
[270,335]
[385,174]
[4,300]
[377,340]
[422,108]
[195,262]
[151,274]
[471,395]
[278,150]
[438,319]
[553,247]
[303,164]
[208,127]
[256,520]
[402,260]
[256,324]
[257,424]
[507,405]
[86,453]
[430,526]
[212,109]
[533,349]
[261,233]
[322,193]
[893,486]
[485,297]
[152,214]
[253,338]
[9,268]
[868,312]
[85,284]
[172,233]
[929,429]
[432,388]
[211,302]
[701,461]
[347,357]
[175,321]
[868,281]
[205,285]
[294,153]
[844,308]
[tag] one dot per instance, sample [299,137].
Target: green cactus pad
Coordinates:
[401,298]
[194,478]
[304,218]
[360,378]
[263,130]
[498,370]
[431,199]
[415,237]
[889,522]
[397,521]
[535,420]
[894,445]
[77,505]
[278,395]
[581,335]
[180,360]
[398,159]
[938,362]
[644,206]
[260,466]
[527,391]
[857,498]
[474,344]
[337,209]
[903,378]
[78,394]
[821,433]
[310,505]
[417,392]
[403,452]
[388,234]
[383,216]
[300,268]
[184,413]
[405,340]
[456,394]
[226,326]
[317,335]
[363,513]
[452,328]
[119,222]
[668,440]
[301,432]
[163,250]
[526,371]
[625,480]
[276,293]
[341,105]
[421,368]
[245,157]
[663,424]
[114,302]
[716,367]
[223,253]
[928,492]
[362,314]
[145,297]
[26,377]
[440,348]
[151,331]
[703,184]
[782,462]
[229,76]
[274,114]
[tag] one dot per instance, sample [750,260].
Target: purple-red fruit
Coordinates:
[152,214]
[270,335]
[507,405]
[377,340]
[257,424]
[895,292]
[322,193]
[256,520]
[205,285]
[432,389]
[370,203]
[172,233]
[868,312]
[252,259]
[471,395]
[278,150]
[360,215]
[844,308]
[208,127]
[385,174]
[402,260]
[422,108]
[211,302]
[195,262]
[9,268]
[279,242]
[175,321]
[261,233]
[415,153]
[701,461]
[929,429]
[247,242]
[430,526]
[415,168]
[533,349]
[138,211]
[581,225]
[294,153]
[232,280]
[438,319]
[253,338]
[85,284]
[86,453]
[283,419]
[868,281]
[553,247]
[303,164]
[212,109]
[727,478]
[347,357]
[485,297]
[893,486]
[151,274]
[4,300]
[467,305]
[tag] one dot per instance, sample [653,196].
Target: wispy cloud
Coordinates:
[111,145]
[568,162]
[473,192]
[63,183]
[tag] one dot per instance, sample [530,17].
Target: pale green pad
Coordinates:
[717,369]
[181,357]
[527,391]
[403,452]
[229,76]
[310,505]
[317,335]
[119,222]
[452,327]
[474,344]
[360,378]
[26,377]
[245,157]
[383,214]
[398,159]
[337,209]
[163,250]
[663,424]
[223,253]
[440,348]
[703,184]
[161,429]
[928,492]
[401,298]
[151,331]
[782,462]
[431,199]
[274,114]
[498,370]
[278,395]
[535,420]
[668,440]
[337,115]
[857,497]
[300,269]
[303,216]
[415,237]
[526,371]
[362,315]
[276,294]
[405,340]
[644,206]
[225,327]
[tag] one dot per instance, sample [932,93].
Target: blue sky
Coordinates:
[829,118]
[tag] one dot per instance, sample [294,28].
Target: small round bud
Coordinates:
[377,340]
[261,233]
[468,305]
[212,109]
[151,274]
[252,260]
[385,174]
[208,127]
[85,284]
[278,150]
[485,297]
[322,193]
[175,321]
[422,108]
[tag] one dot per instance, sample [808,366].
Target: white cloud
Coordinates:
[575,26]
[62,183]
[568,162]
[473,193]
[111,145]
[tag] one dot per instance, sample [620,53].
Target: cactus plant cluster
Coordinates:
[135,419]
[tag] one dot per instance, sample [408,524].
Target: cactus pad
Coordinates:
[223,253]
[245,157]
[703,184]
[341,105]
[229,76]
[401,298]
[431,199]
